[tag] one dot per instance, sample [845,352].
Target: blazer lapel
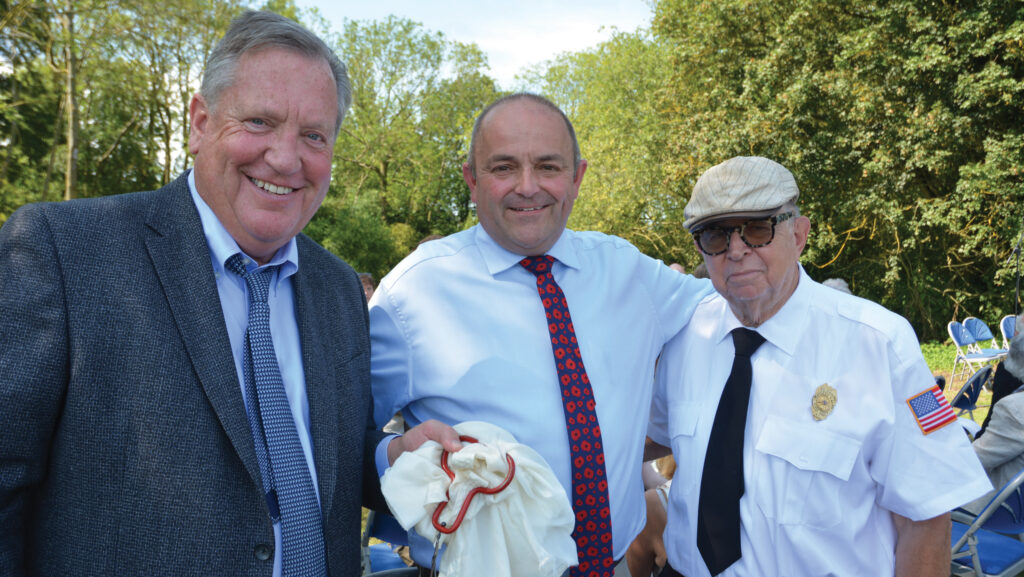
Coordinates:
[322,395]
[177,247]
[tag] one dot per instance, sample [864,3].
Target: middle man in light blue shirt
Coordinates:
[458,332]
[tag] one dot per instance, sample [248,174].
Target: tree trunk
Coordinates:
[71,164]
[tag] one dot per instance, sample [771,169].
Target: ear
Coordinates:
[801,229]
[467,175]
[199,117]
[578,180]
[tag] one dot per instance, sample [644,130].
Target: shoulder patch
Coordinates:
[931,410]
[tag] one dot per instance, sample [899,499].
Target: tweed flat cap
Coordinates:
[744,186]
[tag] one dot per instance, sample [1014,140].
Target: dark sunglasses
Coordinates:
[755,233]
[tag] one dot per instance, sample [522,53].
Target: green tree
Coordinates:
[104,85]
[29,106]
[612,94]
[899,119]
[398,158]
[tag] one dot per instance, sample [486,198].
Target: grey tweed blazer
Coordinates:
[124,445]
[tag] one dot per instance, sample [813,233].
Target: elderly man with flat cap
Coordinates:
[811,437]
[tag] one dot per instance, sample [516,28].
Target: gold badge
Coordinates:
[825,398]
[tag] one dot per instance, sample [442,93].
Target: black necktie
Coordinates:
[721,485]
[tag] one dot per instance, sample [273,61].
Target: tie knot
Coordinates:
[538,265]
[746,341]
[258,280]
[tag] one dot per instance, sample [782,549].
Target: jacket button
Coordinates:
[262,551]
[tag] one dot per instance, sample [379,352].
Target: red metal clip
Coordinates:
[472,493]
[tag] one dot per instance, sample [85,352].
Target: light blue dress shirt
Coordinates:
[458,333]
[234,301]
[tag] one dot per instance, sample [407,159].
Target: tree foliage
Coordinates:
[900,120]
[612,93]
[135,66]
[397,175]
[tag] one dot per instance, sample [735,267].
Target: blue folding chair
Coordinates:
[1007,326]
[380,559]
[985,545]
[966,399]
[966,358]
[982,334]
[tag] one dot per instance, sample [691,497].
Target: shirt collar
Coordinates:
[784,328]
[498,259]
[223,246]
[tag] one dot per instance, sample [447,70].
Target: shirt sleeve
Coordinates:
[390,358]
[668,374]
[675,296]
[921,474]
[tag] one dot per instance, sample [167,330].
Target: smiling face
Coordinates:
[524,186]
[758,281]
[263,152]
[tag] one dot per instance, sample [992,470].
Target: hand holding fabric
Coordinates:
[524,530]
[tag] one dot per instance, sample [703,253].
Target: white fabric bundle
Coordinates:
[525,530]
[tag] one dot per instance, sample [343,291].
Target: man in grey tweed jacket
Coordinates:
[125,447]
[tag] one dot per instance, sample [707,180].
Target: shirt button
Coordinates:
[262,551]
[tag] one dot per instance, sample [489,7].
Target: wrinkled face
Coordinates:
[263,153]
[524,187]
[757,281]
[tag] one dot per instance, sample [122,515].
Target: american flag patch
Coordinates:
[931,410]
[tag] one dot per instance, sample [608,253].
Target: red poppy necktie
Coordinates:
[593,531]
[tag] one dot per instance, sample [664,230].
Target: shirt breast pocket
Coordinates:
[799,472]
[688,452]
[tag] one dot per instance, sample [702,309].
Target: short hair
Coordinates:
[576,157]
[253,31]
[838,284]
[367,279]
[700,271]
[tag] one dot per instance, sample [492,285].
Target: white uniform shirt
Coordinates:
[458,333]
[818,493]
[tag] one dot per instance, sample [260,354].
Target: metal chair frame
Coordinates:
[988,545]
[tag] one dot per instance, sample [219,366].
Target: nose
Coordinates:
[283,154]
[527,182]
[737,249]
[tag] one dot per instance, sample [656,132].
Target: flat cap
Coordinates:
[744,186]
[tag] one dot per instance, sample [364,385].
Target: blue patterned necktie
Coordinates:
[721,485]
[593,531]
[291,496]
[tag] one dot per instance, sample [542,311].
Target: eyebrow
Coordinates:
[511,158]
[551,157]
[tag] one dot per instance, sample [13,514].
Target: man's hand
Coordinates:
[430,430]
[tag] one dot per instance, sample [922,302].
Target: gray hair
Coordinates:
[253,31]
[838,284]
[576,157]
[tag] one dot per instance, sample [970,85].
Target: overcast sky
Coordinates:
[514,34]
